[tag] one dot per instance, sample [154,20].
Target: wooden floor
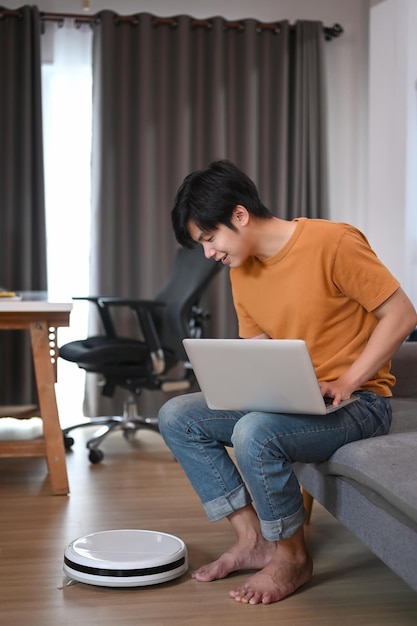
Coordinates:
[141,486]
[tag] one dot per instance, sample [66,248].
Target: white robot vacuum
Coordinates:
[125,558]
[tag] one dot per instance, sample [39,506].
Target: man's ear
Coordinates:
[240,215]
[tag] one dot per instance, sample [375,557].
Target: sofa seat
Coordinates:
[385,466]
[371,486]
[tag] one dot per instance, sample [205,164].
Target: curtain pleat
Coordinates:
[169,99]
[22,211]
[308,191]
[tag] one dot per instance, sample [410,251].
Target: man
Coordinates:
[306,279]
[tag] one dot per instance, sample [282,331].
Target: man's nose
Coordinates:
[208,251]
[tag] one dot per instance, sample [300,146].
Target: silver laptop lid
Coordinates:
[270,375]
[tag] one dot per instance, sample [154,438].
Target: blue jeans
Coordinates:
[265,446]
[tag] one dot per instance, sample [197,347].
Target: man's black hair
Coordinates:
[208,198]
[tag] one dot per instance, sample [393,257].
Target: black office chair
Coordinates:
[136,364]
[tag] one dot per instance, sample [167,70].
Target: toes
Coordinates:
[203,575]
[258,598]
[246,596]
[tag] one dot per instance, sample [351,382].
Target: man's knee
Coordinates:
[244,432]
[176,413]
[170,413]
[255,432]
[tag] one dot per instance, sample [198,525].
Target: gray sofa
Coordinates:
[370,486]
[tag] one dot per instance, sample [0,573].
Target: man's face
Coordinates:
[222,244]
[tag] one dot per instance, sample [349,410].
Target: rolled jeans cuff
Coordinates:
[283,528]
[226,505]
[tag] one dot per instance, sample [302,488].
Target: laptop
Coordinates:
[269,375]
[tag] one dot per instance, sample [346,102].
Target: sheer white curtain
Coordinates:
[67,103]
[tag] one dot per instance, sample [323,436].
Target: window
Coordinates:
[67,114]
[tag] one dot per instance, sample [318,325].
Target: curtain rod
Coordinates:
[330,32]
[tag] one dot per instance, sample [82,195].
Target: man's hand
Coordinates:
[336,390]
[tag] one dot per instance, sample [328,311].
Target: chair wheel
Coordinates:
[95,456]
[68,442]
[129,434]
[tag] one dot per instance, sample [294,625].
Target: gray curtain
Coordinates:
[22,215]
[173,95]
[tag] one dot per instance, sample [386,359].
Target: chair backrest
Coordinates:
[190,275]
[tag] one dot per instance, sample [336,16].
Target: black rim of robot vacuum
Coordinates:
[123,573]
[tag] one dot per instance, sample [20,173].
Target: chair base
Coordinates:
[128,424]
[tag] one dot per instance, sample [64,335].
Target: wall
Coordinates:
[392,200]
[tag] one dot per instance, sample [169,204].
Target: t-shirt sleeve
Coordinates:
[359,273]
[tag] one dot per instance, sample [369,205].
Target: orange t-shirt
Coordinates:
[322,286]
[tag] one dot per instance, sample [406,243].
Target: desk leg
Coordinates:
[45,381]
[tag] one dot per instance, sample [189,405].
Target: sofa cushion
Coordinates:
[404,368]
[387,465]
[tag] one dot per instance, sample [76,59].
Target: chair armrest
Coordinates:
[102,311]
[94,299]
[131,302]
[143,310]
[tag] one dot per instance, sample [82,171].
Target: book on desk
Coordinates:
[5,294]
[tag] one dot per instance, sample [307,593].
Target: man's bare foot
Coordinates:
[284,566]
[280,578]
[254,555]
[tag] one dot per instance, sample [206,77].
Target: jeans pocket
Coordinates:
[380,409]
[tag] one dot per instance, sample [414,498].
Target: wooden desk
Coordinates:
[41,316]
